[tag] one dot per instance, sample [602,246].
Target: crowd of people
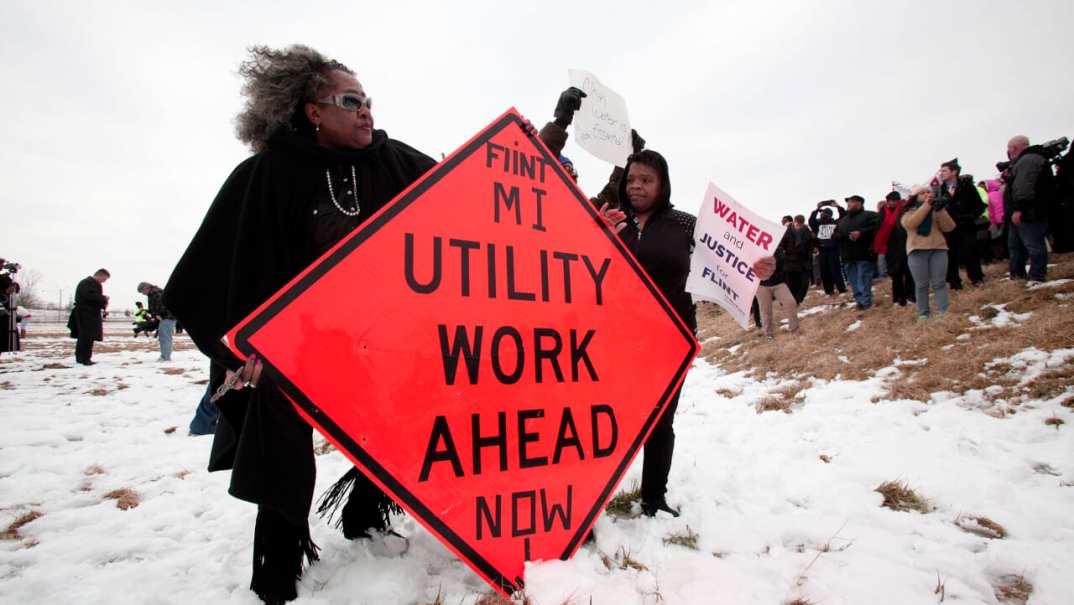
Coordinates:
[924,241]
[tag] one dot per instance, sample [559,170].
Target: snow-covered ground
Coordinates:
[783,505]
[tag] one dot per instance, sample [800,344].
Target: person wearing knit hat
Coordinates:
[855,233]
[926,249]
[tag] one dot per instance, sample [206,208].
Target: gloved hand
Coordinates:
[570,100]
[636,140]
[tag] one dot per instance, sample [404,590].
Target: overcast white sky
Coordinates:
[119,116]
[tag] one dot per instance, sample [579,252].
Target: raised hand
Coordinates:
[570,101]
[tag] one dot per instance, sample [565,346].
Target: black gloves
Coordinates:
[636,140]
[569,102]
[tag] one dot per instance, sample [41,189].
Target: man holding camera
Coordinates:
[823,226]
[1030,192]
[964,204]
[855,233]
[9,328]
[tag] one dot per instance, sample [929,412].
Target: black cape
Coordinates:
[257,236]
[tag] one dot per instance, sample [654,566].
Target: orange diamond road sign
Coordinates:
[484,349]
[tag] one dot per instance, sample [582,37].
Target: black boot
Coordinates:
[279,549]
[650,508]
[367,510]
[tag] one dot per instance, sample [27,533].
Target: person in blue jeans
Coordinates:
[206,415]
[157,310]
[926,249]
[1027,200]
[855,232]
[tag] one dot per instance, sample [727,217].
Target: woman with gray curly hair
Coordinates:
[318,171]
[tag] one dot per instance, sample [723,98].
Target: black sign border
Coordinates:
[363,233]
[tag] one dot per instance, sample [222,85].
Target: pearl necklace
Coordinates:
[332,193]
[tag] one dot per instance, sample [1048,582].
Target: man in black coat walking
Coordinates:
[85,323]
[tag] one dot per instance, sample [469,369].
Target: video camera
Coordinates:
[1051,151]
[7,268]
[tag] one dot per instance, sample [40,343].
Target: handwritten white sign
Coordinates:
[601,126]
[728,239]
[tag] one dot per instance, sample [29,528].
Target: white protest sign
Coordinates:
[728,239]
[601,126]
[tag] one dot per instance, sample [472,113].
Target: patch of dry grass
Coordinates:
[7,386]
[799,601]
[898,496]
[622,503]
[686,538]
[889,332]
[170,430]
[981,526]
[11,532]
[781,399]
[125,498]
[1012,588]
[94,469]
[825,458]
[495,598]
[1054,421]
[173,371]
[98,392]
[182,474]
[622,560]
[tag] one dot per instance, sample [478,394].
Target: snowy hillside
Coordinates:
[106,499]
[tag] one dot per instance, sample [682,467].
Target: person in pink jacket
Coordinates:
[996,230]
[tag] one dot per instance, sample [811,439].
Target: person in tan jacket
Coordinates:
[926,249]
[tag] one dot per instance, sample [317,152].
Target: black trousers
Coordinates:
[962,250]
[902,286]
[656,464]
[798,282]
[831,271]
[83,349]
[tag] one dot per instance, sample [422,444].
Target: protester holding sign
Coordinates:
[319,170]
[775,288]
[554,136]
[661,238]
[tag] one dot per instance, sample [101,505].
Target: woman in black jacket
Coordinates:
[319,171]
[661,238]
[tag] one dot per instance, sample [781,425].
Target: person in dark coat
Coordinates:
[661,238]
[319,171]
[162,316]
[798,258]
[902,281]
[963,203]
[1061,219]
[9,315]
[1027,200]
[823,225]
[855,233]
[86,322]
